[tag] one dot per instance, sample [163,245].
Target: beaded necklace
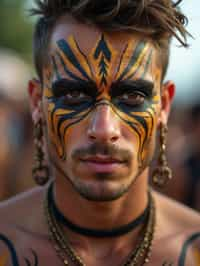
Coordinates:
[64,250]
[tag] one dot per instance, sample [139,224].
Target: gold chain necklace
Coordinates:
[63,248]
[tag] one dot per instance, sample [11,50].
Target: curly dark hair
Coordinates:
[158,19]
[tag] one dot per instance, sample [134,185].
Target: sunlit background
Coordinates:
[16,68]
[184,66]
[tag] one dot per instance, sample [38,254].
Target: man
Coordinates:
[97,107]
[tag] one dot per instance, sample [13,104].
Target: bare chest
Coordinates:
[29,251]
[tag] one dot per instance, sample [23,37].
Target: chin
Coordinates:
[101,190]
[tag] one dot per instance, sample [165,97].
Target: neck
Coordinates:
[101,215]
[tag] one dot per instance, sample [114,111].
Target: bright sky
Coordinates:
[184,66]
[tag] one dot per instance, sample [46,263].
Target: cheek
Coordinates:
[75,136]
[148,138]
[139,129]
[62,124]
[149,146]
[130,136]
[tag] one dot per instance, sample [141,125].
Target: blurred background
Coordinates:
[16,140]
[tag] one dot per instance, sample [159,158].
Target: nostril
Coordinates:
[92,137]
[114,138]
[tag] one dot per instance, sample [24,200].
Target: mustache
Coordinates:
[109,150]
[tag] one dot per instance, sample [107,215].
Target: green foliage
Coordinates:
[16,27]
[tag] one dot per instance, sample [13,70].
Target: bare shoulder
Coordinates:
[23,212]
[178,231]
[24,236]
[177,216]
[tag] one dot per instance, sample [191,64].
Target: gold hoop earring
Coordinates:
[162,173]
[40,169]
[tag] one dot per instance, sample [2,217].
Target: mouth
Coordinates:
[102,163]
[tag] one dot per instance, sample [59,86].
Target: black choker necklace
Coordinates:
[115,232]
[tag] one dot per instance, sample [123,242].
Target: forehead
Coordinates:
[87,35]
[94,46]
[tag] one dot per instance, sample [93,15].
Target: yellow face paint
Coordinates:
[197,256]
[3,259]
[118,78]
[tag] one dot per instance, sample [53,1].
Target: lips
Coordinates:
[102,163]
[101,159]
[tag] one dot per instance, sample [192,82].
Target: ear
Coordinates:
[35,98]
[167,95]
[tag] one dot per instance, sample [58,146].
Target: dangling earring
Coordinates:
[40,169]
[162,173]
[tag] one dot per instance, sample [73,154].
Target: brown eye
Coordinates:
[132,98]
[76,97]
[75,94]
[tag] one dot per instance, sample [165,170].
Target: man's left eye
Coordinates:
[132,98]
[75,94]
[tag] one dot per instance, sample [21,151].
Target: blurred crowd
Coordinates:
[16,140]
[15,126]
[184,154]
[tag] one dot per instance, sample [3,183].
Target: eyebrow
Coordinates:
[143,85]
[62,86]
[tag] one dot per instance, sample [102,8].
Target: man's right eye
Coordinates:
[72,97]
[75,94]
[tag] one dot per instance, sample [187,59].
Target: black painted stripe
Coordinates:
[102,48]
[27,262]
[69,73]
[145,68]
[66,128]
[186,245]
[64,46]
[35,258]
[11,249]
[55,67]
[147,64]
[121,58]
[139,48]
[132,126]
[86,59]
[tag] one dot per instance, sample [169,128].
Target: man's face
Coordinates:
[102,104]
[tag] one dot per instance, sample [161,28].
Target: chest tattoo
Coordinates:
[10,254]
[191,245]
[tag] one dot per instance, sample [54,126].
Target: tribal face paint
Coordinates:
[88,81]
[107,73]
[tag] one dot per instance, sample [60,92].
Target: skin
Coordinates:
[130,64]
[117,114]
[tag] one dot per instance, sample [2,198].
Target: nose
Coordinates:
[104,124]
